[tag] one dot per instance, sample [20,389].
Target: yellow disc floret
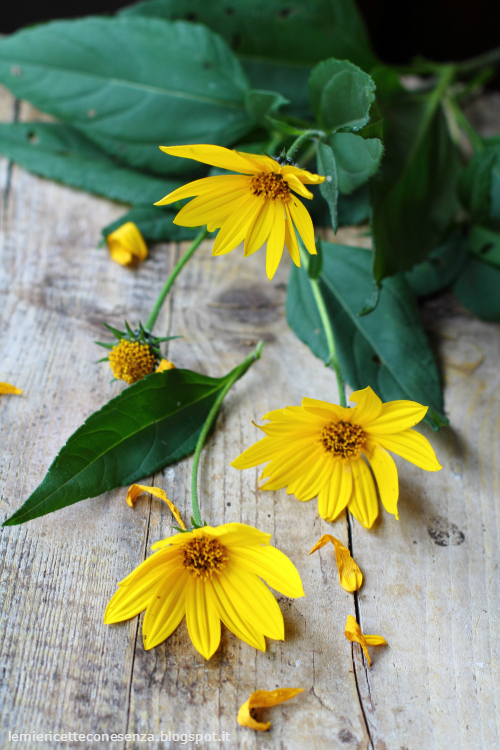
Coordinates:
[204,556]
[131,361]
[343,439]
[270,185]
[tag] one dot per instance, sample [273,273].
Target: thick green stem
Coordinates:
[236,374]
[168,284]
[327,327]
[300,140]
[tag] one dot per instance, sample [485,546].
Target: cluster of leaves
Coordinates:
[256,76]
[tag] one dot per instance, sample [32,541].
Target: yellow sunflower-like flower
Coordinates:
[210,574]
[319,449]
[257,205]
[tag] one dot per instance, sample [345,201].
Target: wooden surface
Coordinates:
[432,583]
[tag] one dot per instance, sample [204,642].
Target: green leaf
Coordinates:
[262,104]
[485,243]
[475,184]
[387,350]
[341,95]
[278,41]
[155,224]
[188,87]
[315,262]
[414,194]
[329,188]
[442,266]
[151,424]
[478,288]
[59,152]
[357,159]
[354,208]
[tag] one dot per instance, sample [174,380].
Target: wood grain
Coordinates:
[435,686]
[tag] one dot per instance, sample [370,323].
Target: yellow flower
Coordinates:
[165,365]
[319,448]
[354,633]
[350,576]
[131,361]
[257,205]
[209,574]
[264,699]
[126,245]
[7,388]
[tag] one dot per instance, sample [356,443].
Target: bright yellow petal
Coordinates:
[276,241]
[253,600]
[291,238]
[239,534]
[363,503]
[216,156]
[350,576]
[272,565]
[258,453]
[234,229]
[165,365]
[290,466]
[375,640]
[296,185]
[258,233]
[331,412]
[128,601]
[202,619]
[166,609]
[232,618]
[354,634]
[386,476]
[312,480]
[264,699]
[152,562]
[7,388]
[368,407]
[126,244]
[412,446]
[303,222]
[335,495]
[136,489]
[221,183]
[209,207]
[308,178]
[397,416]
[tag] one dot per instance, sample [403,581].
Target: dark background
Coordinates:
[440,30]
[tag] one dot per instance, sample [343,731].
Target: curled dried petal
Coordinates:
[350,576]
[264,699]
[136,489]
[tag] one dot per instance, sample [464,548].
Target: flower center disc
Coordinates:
[270,185]
[131,361]
[343,439]
[203,557]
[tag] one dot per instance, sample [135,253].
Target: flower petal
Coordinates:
[397,416]
[296,185]
[272,565]
[254,601]
[335,495]
[308,178]
[303,222]
[7,388]
[216,156]
[235,227]
[325,409]
[126,244]
[218,184]
[232,618]
[412,446]
[368,407]
[291,238]
[276,241]
[354,634]
[290,465]
[350,576]
[261,227]
[386,476]
[264,699]
[363,503]
[210,207]
[128,601]
[152,562]
[202,618]
[166,609]
[136,489]
[311,482]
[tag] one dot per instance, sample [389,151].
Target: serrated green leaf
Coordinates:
[188,88]
[341,95]
[59,152]
[387,350]
[151,424]
[478,288]
[442,266]
[262,104]
[357,159]
[155,224]
[329,188]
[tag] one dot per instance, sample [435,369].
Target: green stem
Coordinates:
[236,374]
[300,140]
[473,137]
[327,327]
[168,284]
[481,61]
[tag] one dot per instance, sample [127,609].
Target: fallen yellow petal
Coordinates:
[126,245]
[264,699]
[6,388]
[350,576]
[165,365]
[353,633]
[136,489]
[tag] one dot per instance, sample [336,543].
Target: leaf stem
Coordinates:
[236,374]
[327,327]
[300,140]
[461,120]
[168,284]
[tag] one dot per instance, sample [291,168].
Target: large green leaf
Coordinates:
[278,41]
[387,350]
[155,224]
[329,188]
[59,152]
[151,424]
[357,159]
[479,185]
[478,288]
[414,194]
[440,269]
[341,95]
[131,84]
